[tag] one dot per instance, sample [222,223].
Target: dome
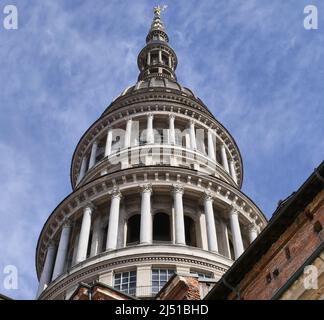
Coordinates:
[157,82]
[156,190]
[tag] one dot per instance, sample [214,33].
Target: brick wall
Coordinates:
[193,292]
[286,255]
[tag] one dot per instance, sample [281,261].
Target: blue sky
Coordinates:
[252,62]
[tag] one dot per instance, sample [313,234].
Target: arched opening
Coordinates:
[161,227]
[133,229]
[190,231]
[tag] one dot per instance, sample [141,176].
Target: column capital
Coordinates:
[177,188]
[234,211]
[115,193]
[146,188]
[208,196]
[128,118]
[150,115]
[51,244]
[252,227]
[67,223]
[171,116]
[89,205]
[192,122]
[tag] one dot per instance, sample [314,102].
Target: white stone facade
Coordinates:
[156,186]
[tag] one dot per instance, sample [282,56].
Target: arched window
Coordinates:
[161,227]
[133,229]
[190,231]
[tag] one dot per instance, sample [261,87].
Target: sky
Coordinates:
[252,62]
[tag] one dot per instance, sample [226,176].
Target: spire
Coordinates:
[157,58]
[157,26]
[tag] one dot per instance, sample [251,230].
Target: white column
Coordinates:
[93,154]
[149,131]
[97,235]
[224,157]
[108,143]
[253,233]
[47,268]
[128,133]
[146,215]
[112,235]
[84,234]
[193,142]
[160,56]
[236,233]
[187,137]
[210,223]
[62,250]
[149,58]
[232,170]
[171,128]
[211,147]
[170,62]
[82,169]
[180,237]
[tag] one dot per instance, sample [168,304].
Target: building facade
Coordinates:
[286,262]
[156,190]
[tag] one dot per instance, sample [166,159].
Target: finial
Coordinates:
[159,9]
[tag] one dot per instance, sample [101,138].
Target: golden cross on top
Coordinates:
[159,9]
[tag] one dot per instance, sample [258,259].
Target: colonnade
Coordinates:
[56,256]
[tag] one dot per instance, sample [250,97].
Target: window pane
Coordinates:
[163,272]
[125,286]
[163,277]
